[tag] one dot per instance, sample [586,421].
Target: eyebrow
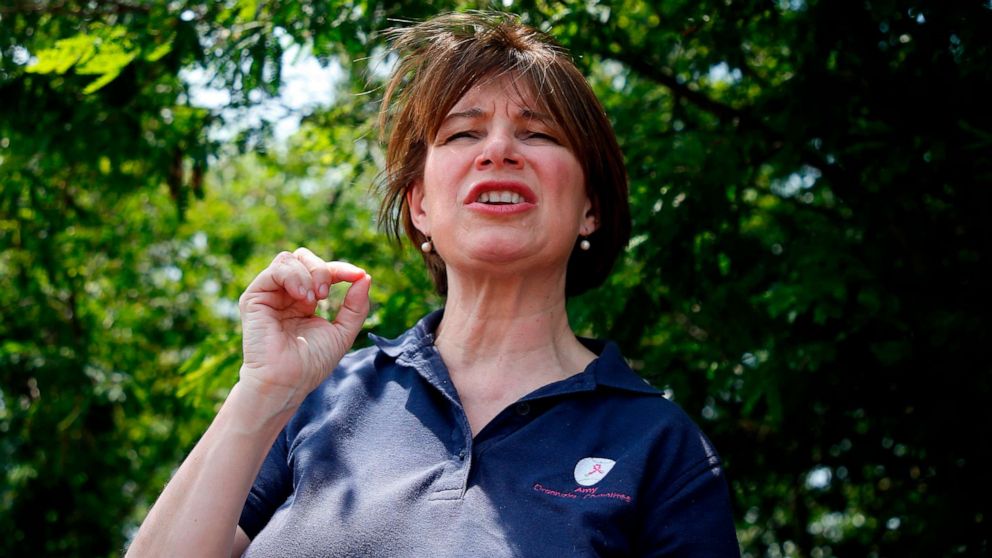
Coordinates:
[535,115]
[470,114]
[475,112]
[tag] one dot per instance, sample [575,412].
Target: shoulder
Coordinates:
[363,367]
[352,385]
[668,435]
[357,382]
[644,402]
[673,440]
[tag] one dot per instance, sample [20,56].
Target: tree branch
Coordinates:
[640,63]
[63,8]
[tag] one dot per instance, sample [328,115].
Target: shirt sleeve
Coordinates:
[690,515]
[271,488]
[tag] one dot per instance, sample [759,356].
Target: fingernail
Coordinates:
[310,296]
[323,291]
[302,290]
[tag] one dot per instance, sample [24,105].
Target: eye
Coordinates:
[541,137]
[462,134]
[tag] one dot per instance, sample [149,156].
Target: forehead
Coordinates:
[506,92]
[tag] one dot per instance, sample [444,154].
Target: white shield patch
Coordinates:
[590,470]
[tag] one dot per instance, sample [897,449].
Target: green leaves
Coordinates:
[103,52]
[809,183]
[66,54]
[209,373]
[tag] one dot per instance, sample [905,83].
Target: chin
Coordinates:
[487,250]
[501,254]
[506,250]
[512,260]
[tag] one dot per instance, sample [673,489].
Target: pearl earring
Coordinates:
[427,247]
[584,244]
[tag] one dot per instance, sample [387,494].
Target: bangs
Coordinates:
[536,76]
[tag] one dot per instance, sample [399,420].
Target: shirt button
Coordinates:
[523,409]
[461,455]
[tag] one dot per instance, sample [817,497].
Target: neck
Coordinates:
[504,336]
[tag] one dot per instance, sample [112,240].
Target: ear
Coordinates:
[589,222]
[418,209]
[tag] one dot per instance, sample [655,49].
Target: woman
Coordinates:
[488,429]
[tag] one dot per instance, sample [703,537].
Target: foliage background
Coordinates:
[810,182]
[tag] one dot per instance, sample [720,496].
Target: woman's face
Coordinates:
[499,186]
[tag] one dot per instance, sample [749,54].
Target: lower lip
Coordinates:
[500,209]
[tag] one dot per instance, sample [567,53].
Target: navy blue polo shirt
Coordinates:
[380,461]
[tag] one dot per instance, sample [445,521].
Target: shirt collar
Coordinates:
[411,340]
[609,369]
[612,370]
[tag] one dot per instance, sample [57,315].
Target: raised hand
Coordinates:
[288,350]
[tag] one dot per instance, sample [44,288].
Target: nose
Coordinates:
[499,150]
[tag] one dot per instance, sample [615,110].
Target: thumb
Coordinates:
[355,308]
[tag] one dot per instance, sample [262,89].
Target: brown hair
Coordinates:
[440,60]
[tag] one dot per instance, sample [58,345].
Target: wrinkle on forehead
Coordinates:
[476,113]
[518,93]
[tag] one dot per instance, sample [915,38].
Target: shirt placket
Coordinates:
[453,480]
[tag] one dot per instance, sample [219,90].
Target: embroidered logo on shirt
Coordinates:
[590,470]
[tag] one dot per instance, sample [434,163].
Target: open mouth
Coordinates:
[499,197]
[501,194]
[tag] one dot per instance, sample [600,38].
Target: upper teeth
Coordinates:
[500,197]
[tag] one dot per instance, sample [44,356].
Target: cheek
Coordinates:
[431,181]
[428,173]
[571,182]
[440,171]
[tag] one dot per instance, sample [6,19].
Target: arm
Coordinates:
[288,351]
[689,512]
[696,521]
[241,542]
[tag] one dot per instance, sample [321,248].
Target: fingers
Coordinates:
[319,275]
[285,276]
[302,276]
[324,274]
